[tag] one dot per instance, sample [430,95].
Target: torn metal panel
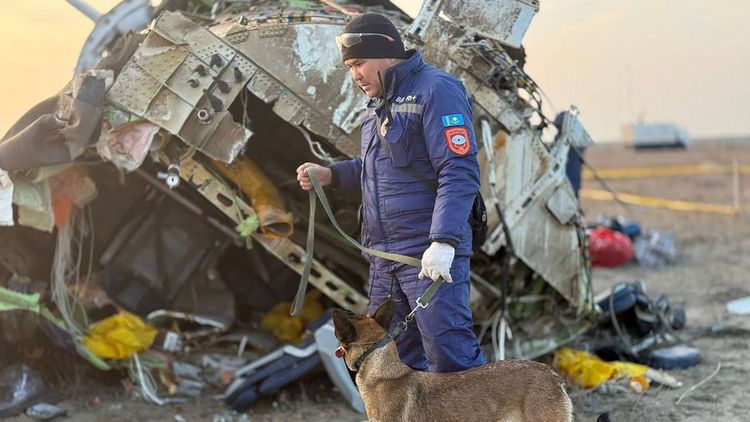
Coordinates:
[498,107]
[438,36]
[134,89]
[183,78]
[562,204]
[541,213]
[200,41]
[503,20]
[311,86]
[128,15]
[548,248]
[168,110]
[265,87]
[160,62]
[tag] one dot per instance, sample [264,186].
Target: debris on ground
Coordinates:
[45,411]
[655,249]
[20,386]
[155,228]
[589,371]
[609,248]
[739,306]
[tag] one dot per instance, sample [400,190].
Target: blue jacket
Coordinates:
[431,132]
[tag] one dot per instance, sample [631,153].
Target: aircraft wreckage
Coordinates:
[162,177]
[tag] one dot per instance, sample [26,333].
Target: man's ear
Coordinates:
[384,314]
[343,327]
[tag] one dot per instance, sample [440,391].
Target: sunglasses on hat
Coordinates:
[350,39]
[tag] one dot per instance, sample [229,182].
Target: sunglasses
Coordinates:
[350,39]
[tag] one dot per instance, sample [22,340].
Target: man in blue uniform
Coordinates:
[418,183]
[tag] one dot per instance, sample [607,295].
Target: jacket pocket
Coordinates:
[397,143]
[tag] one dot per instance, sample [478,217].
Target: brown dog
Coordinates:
[513,390]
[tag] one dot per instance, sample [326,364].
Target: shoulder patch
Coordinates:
[453,120]
[458,140]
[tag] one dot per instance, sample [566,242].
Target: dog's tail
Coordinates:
[604,417]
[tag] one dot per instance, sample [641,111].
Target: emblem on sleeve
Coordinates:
[453,120]
[458,140]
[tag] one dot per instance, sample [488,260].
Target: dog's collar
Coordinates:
[390,336]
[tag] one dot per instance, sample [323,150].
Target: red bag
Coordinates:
[609,248]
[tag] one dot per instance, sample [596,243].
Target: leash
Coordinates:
[318,193]
[401,326]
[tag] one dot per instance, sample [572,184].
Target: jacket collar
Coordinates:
[397,74]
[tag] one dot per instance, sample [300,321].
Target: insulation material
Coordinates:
[274,219]
[127,146]
[6,199]
[71,188]
[34,202]
[48,197]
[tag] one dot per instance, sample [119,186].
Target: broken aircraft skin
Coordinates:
[260,85]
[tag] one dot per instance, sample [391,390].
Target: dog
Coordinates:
[504,391]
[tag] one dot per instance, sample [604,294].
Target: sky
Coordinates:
[680,61]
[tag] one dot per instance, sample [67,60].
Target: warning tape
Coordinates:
[635,172]
[650,201]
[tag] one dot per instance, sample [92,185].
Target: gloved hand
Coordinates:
[437,260]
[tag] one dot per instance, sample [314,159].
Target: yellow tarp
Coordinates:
[589,371]
[119,336]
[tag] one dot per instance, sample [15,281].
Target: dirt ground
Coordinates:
[710,271]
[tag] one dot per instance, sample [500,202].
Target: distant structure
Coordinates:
[655,135]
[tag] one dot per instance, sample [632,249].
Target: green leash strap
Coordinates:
[318,193]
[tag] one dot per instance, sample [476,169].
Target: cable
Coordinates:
[601,181]
[315,147]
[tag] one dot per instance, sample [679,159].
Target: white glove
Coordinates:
[436,262]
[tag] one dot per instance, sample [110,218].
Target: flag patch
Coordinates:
[453,120]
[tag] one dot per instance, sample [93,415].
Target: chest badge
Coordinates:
[458,140]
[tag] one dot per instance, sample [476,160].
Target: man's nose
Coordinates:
[356,75]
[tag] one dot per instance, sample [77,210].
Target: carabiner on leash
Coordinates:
[424,300]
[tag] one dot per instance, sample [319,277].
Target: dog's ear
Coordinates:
[343,327]
[384,314]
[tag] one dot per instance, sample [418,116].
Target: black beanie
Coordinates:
[373,47]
